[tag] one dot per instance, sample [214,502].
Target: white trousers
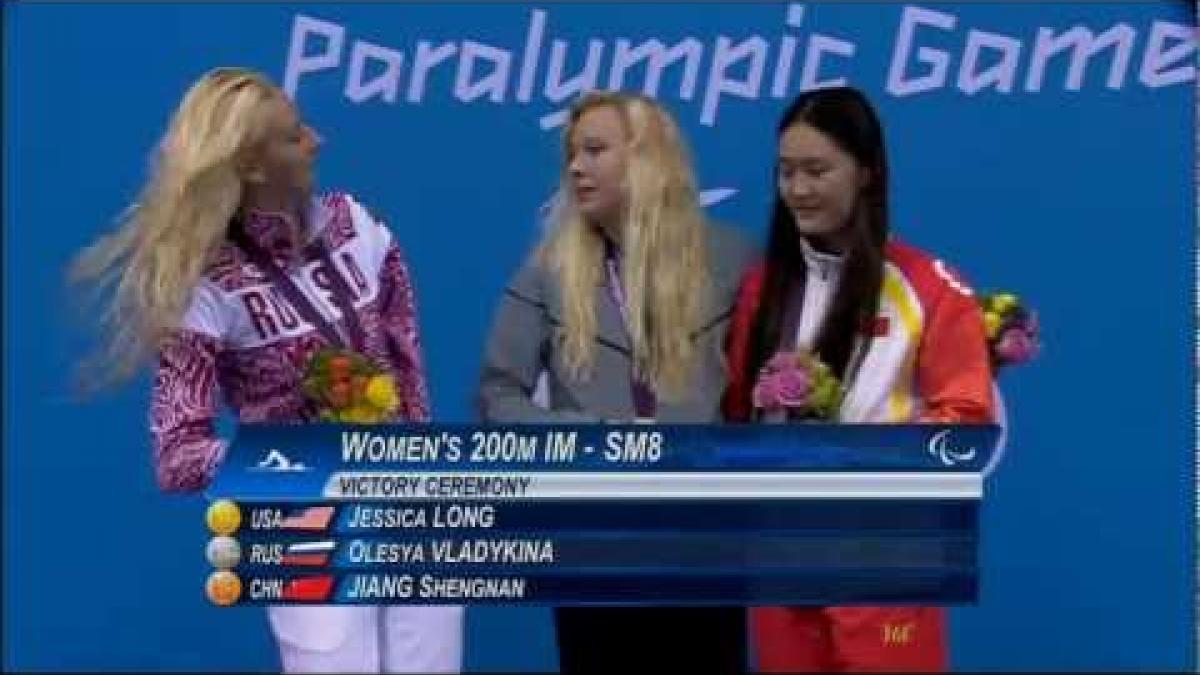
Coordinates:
[368,639]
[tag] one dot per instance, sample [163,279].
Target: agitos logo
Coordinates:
[939,446]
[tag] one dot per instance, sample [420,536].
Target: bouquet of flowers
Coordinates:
[798,383]
[348,387]
[1012,329]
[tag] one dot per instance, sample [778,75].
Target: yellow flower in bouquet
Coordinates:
[350,388]
[991,323]
[1001,303]
[360,414]
[381,393]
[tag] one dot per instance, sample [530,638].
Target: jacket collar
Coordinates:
[827,266]
[275,233]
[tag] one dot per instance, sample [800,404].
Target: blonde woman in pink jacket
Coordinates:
[233,274]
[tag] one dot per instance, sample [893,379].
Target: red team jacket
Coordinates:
[928,362]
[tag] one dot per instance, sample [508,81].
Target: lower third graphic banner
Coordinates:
[587,515]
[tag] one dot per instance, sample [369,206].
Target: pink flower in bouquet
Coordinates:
[1017,345]
[793,387]
[766,392]
[794,381]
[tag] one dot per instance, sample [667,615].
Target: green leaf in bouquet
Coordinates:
[826,394]
[321,379]
[312,387]
[319,363]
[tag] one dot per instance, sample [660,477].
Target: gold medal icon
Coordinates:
[223,588]
[224,517]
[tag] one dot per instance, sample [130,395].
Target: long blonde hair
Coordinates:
[664,262]
[154,259]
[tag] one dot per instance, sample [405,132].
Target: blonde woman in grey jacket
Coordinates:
[621,312]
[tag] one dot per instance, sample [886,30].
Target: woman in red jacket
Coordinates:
[897,327]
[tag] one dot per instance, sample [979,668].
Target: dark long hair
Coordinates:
[847,118]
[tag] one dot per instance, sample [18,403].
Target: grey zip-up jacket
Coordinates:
[523,346]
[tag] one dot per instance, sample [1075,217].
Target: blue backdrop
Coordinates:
[1067,176]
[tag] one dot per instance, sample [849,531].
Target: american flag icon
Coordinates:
[312,518]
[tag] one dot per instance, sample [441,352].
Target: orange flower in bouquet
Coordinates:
[350,388]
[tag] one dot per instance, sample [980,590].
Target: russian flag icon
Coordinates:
[308,554]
